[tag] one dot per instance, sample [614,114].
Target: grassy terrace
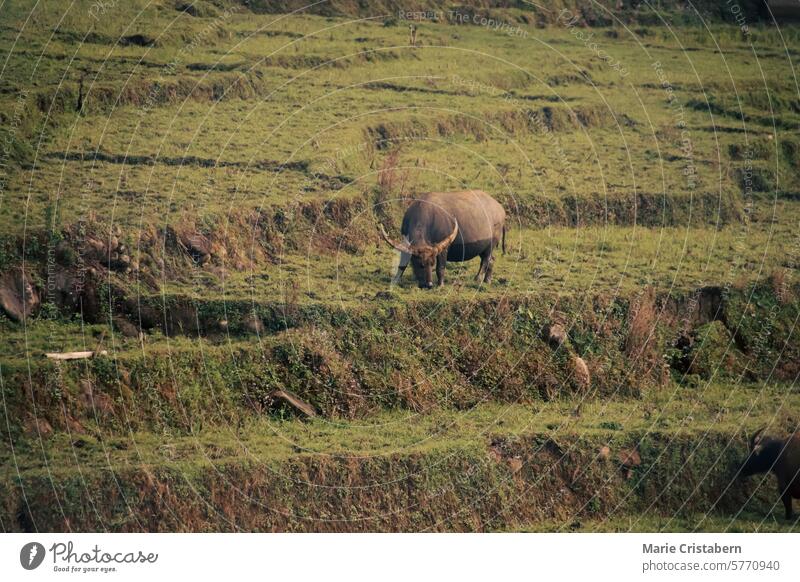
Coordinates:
[199,192]
[582,263]
[744,522]
[690,441]
[165,131]
[733,409]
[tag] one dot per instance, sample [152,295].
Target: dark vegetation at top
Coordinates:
[197,188]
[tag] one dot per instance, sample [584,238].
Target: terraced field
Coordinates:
[196,189]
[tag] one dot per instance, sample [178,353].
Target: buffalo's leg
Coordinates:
[482,269]
[786,497]
[487,278]
[441,263]
[487,271]
[404,260]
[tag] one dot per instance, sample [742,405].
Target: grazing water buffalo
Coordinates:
[782,457]
[449,226]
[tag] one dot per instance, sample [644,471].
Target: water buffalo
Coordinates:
[782,457]
[449,226]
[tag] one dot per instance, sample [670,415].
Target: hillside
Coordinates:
[197,188]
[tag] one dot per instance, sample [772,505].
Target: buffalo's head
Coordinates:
[423,256]
[763,454]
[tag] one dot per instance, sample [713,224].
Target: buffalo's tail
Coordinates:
[504,239]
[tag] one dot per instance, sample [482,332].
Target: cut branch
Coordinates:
[74,355]
[295,401]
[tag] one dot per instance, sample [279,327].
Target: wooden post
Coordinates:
[74,355]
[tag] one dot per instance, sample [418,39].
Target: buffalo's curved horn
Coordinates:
[442,245]
[756,438]
[402,247]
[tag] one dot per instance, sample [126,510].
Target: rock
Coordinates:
[120,262]
[96,401]
[95,249]
[75,426]
[87,388]
[73,292]
[252,323]
[556,334]
[198,246]
[217,250]
[515,464]
[18,298]
[125,327]
[628,460]
[581,373]
[604,452]
[36,427]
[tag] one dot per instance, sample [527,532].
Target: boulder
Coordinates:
[197,245]
[252,323]
[555,334]
[628,459]
[125,327]
[76,292]
[38,427]
[18,297]
[581,373]
[94,400]
[95,249]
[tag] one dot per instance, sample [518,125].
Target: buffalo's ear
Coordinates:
[755,440]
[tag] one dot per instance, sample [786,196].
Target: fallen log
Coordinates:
[74,355]
[295,401]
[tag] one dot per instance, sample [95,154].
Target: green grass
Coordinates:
[583,262]
[459,110]
[570,261]
[469,454]
[744,522]
[285,139]
[731,409]
[457,106]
